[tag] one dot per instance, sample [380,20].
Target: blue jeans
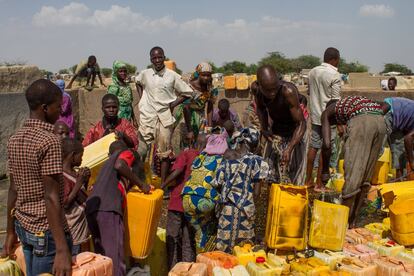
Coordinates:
[39,250]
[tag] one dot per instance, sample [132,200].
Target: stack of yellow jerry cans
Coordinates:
[239,81]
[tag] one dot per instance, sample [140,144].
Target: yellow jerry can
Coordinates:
[247,253]
[402,221]
[242,81]
[95,155]
[142,215]
[396,191]
[328,225]
[287,217]
[229,82]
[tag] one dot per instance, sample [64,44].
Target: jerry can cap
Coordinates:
[260,260]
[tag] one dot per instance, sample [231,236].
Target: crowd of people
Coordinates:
[214,179]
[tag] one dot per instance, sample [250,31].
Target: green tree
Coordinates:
[107,72]
[395,67]
[234,67]
[305,62]
[352,67]
[278,61]
[64,71]
[46,73]
[132,69]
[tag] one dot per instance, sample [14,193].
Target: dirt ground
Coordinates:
[368,215]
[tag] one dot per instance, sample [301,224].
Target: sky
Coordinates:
[58,34]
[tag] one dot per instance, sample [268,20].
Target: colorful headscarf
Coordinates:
[217,143]
[250,136]
[115,68]
[202,67]
[60,84]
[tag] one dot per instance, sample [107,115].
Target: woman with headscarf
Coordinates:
[199,197]
[238,180]
[66,115]
[198,113]
[122,90]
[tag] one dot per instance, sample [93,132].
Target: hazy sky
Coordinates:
[58,34]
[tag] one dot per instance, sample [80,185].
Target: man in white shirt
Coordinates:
[324,85]
[157,88]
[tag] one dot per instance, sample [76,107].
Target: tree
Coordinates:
[234,67]
[107,72]
[13,63]
[46,73]
[352,67]
[395,67]
[132,69]
[305,62]
[64,71]
[278,61]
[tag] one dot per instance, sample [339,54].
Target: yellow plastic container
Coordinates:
[392,266]
[238,270]
[382,168]
[242,81]
[252,78]
[229,82]
[386,247]
[272,265]
[330,258]
[142,215]
[334,273]
[378,228]
[380,175]
[402,221]
[396,191]
[311,266]
[157,260]
[360,236]
[170,64]
[341,167]
[287,217]
[328,225]
[338,184]
[407,254]
[95,155]
[246,253]
[357,267]
[9,267]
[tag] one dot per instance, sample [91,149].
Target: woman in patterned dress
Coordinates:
[238,180]
[197,113]
[199,197]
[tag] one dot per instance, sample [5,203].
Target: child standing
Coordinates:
[238,178]
[105,206]
[180,234]
[75,192]
[66,115]
[35,198]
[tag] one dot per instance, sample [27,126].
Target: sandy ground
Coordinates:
[367,216]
